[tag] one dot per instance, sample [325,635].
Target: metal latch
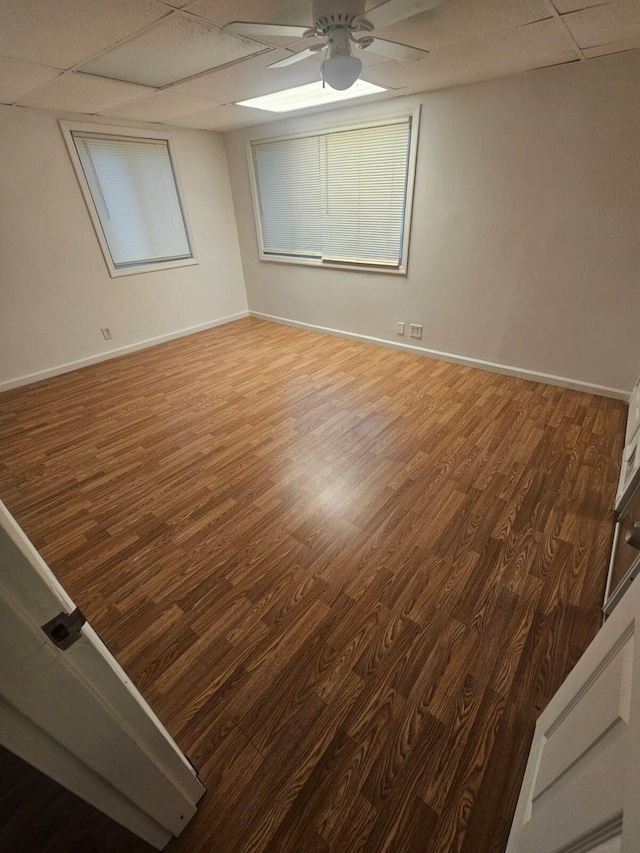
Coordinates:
[64,629]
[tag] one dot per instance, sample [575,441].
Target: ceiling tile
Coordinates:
[81,93]
[452,77]
[225,117]
[160,106]
[563,6]
[611,22]
[221,12]
[61,33]
[612,47]
[18,77]
[251,78]
[176,48]
[459,20]
[497,55]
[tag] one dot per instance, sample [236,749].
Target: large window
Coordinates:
[130,186]
[339,197]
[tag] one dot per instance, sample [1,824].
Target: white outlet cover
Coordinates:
[401,328]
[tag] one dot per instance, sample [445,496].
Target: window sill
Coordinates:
[146,268]
[385,269]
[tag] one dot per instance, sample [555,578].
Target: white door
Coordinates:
[581,790]
[74,714]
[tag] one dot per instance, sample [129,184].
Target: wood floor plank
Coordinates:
[347,578]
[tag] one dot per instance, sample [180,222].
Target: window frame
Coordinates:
[412,113]
[126,133]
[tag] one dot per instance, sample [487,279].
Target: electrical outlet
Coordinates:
[401,328]
[107,334]
[415,331]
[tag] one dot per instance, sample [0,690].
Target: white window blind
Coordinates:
[336,196]
[133,188]
[288,181]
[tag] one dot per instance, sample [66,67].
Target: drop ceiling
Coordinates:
[168,62]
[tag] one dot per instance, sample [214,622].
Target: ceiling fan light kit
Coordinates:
[342,25]
[340,69]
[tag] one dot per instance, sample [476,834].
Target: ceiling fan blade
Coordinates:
[397,10]
[295,57]
[397,51]
[247,28]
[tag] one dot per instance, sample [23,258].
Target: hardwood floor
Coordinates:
[346,578]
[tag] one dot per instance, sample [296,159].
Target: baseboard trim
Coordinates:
[494,367]
[29,378]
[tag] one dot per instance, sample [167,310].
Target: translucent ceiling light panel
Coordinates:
[311,95]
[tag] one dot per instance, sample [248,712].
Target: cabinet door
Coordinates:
[581,790]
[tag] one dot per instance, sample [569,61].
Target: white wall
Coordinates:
[525,243]
[55,291]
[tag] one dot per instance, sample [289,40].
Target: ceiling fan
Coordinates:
[342,25]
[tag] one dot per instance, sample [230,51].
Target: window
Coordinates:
[131,190]
[339,197]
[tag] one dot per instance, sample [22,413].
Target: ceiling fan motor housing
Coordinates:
[328,14]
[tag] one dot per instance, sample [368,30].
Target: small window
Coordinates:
[130,185]
[339,197]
